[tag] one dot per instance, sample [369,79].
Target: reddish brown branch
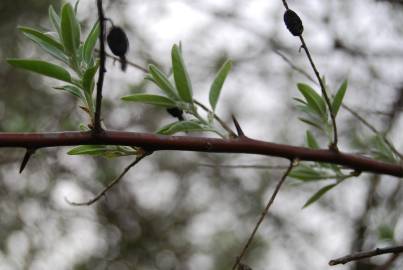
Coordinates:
[151,142]
[366,254]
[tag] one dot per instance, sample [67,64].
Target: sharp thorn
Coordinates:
[27,156]
[238,127]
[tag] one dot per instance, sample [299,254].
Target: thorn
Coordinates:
[238,127]
[27,156]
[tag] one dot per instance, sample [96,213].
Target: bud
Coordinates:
[293,22]
[119,44]
[176,112]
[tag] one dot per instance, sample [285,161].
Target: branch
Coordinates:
[263,215]
[101,17]
[366,254]
[244,145]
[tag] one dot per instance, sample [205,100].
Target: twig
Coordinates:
[102,70]
[129,63]
[285,4]
[294,67]
[263,215]
[333,146]
[113,183]
[366,254]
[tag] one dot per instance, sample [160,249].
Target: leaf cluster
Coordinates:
[76,65]
[178,93]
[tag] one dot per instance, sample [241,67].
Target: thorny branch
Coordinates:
[243,145]
[264,214]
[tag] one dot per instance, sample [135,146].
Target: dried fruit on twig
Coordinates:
[293,22]
[119,44]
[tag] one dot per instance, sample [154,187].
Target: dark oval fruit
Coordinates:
[293,22]
[118,43]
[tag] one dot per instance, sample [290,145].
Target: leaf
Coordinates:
[46,42]
[54,19]
[338,98]
[162,81]
[156,100]
[182,126]
[306,173]
[89,44]
[108,151]
[386,233]
[319,194]
[88,79]
[311,141]
[74,90]
[303,102]
[76,6]
[218,82]
[382,150]
[42,67]
[309,122]
[70,29]
[314,100]
[181,76]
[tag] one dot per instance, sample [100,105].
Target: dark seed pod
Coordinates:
[176,112]
[119,44]
[293,22]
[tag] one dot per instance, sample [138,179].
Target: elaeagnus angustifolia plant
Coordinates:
[75,65]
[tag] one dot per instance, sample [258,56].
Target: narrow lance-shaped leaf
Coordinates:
[74,90]
[181,76]
[311,141]
[338,98]
[156,100]
[88,79]
[218,83]
[305,173]
[162,81]
[181,126]
[42,67]
[70,29]
[309,122]
[319,194]
[89,44]
[54,19]
[93,150]
[46,42]
[314,100]
[76,6]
